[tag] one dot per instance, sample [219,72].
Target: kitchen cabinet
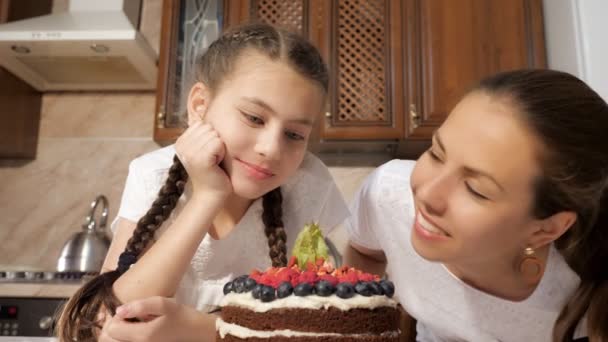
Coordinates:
[396,67]
[20,113]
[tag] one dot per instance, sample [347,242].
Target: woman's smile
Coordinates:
[427,230]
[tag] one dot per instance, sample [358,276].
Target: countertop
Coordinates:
[38,290]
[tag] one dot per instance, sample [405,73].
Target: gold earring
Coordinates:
[530,267]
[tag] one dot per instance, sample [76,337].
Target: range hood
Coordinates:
[95,45]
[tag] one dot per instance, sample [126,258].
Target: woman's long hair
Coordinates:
[571,120]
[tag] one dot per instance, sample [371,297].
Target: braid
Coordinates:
[272,216]
[161,209]
[79,317]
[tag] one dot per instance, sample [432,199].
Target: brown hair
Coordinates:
[572,122]
[79,318]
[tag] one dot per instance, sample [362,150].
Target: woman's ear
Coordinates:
[198,101]
[552,227]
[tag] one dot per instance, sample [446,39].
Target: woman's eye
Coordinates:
[433,155]
[253,119]
[475,193]
[294,136]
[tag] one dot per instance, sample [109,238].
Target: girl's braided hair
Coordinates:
[79,319]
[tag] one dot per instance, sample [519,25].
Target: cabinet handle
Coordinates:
[414,117]
[328,115]
[160,119]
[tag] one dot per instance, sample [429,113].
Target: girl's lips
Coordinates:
[255,171]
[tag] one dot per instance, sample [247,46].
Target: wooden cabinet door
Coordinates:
[20,115]
[453,44]
[288,14]
[362,41]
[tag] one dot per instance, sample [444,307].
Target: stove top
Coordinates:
[45,276]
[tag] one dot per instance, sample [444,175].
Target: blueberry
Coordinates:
[376,288]
[363,288]
[257,291]
[268,294]
[388,287]
[345,290]
[238,285]
[324,288]
[303,289]
[284,290]
[228,288]
[250,284]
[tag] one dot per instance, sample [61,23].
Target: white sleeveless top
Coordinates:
[446,308]
[309,196]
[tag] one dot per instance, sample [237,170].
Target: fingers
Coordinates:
[110,331]
[200,143]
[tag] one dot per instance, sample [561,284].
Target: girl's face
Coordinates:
[473,189]
[264,113]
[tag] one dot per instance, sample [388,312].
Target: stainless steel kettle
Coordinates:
[85,251]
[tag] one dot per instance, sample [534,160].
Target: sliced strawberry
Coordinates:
[292,261]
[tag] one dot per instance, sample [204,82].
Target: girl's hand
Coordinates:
[201,151]
[160,319]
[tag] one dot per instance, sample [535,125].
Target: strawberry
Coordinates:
[292,261]
[320,261]
[366,277]
[308,277]
[256,275]
[350,277]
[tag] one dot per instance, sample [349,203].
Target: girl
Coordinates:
[239,188]
[499,231]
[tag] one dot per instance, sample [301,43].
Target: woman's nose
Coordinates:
[433,194]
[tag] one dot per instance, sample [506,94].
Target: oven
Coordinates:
[28,317]
[30,302]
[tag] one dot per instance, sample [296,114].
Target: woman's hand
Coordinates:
[201,151]
[160,319]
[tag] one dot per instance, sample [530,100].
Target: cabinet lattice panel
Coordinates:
[288,14]
[361,62]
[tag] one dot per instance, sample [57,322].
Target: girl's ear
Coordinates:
[198,101]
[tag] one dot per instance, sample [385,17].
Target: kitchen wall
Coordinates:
[576,42]
[85,145]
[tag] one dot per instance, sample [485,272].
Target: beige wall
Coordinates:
[86,142]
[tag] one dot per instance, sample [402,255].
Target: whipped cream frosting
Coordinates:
[245,300]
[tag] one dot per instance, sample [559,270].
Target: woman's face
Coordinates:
[264,113]
[473,189]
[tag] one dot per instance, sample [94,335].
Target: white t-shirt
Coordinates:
[310,195]
[447,309]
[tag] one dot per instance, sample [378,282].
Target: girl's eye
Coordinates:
[475,193]
[294,136]
[253,119]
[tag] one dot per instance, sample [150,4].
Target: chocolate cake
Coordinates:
[317,303]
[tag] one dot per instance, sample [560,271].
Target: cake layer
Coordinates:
[331,320]
[227,332]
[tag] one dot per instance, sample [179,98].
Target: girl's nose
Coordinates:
[268,144]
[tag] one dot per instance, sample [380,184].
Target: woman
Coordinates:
[498,232]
